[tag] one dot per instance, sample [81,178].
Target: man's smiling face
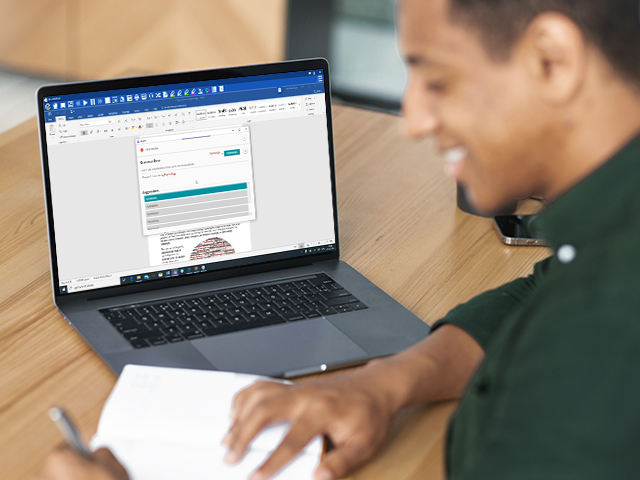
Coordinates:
[492,128]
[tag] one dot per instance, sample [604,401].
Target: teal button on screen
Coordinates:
[193,193]
[228,153]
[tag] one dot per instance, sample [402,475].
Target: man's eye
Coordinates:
[436,86]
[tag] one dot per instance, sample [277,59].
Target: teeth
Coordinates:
[455,155]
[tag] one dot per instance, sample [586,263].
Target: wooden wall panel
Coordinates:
[87,39]
[33,36]
[119,38]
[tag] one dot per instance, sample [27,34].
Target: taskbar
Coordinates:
[210,267]
[110,280]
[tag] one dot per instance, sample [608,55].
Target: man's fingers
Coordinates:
[246,400]
[243,432]
[64,459]
[296,439]
[106,458]
[342,460]
[243,405]
[65,463]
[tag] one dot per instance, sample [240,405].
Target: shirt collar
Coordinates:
[605,199]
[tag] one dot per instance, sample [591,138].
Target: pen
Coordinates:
[68,430]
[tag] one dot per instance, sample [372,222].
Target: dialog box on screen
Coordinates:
[195,179]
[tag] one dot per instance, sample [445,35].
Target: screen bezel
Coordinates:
[256,264]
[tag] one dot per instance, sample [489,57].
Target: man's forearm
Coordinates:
[438,368]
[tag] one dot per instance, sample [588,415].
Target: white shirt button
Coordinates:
[566,254]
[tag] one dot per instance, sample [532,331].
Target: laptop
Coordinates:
[193,223]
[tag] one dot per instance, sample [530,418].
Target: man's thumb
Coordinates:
[340,461]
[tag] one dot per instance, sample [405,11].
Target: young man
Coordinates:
[525,97]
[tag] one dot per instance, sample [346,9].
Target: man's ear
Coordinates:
[556,56]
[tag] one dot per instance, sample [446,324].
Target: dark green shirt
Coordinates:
[558,396]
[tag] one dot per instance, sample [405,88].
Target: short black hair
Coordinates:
[612,26]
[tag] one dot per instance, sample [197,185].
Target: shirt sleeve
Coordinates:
[482,316]
[566,404]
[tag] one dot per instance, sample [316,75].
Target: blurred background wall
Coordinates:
[44,41]
[87,39]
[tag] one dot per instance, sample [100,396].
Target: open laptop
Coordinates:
[193,223]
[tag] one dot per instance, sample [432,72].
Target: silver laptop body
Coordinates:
[192,215]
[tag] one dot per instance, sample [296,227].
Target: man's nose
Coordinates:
[420,114]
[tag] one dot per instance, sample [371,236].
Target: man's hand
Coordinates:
[354,409]
[65,464]
[351,409]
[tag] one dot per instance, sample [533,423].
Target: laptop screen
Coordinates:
[153,182]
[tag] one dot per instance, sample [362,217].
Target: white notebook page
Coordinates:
[167,423]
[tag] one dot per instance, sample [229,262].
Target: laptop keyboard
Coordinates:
[224,311]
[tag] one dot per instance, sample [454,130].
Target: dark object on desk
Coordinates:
[465,206]
[519,230]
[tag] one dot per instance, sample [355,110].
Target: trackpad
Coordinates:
[281,348]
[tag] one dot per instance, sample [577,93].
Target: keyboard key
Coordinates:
[358,306]
[163,316]
[170,322]
[343,309]
[252,317]
[265,322]
[143,333]
[220,329]
[124,323]
[336,294]
[340,301]
[168,331]
[188,328]
[133,330]
[224,305]
[293,317]
[153,325]
[327,311]
[111,316]
[237,319]
[193,335]
[320,280]
[220,322]
[174,338]
[139,343]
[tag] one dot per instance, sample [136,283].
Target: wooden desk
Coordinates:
[398,225]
